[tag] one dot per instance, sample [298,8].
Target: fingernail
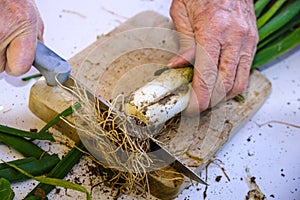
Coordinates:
[170,64]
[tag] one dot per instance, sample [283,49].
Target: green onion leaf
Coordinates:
[266,16]
[276,49]
[26,134]
[25,147]
[31,77]
[280,33]
[54,181]
[65,113]
[259,6]
[18,162]
[36,168]
[60,170]
[6,193]
[239,98]
[288,12]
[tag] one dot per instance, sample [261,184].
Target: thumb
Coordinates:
[180,17]
[20,54]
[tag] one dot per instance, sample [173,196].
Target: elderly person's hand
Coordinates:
[221,36]
[20,27]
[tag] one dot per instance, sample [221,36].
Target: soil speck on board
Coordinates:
[218,178]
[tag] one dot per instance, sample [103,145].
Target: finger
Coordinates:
[40,30]
[40,27]
[229,58]
[205,76]
[20,54]
[38,21]
[242,76]
[243,68]
[183,58]
[193,107]
[248,50]
[180,17]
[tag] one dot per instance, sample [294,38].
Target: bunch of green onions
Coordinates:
[278,25]
[37,162]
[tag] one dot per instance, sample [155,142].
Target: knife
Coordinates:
[54,68]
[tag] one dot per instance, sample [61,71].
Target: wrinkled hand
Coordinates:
[20,27]
[221,38]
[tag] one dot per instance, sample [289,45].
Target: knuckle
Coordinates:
[253,37]
[228,83]
[241,28]
[31,16]
[228,62]
[209,48]
[227,71]
[24,12]
[207,79]
[246,60]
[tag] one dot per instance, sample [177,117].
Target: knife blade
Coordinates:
[54,68]
[174,162]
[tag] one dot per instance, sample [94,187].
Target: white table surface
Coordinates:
[270,152]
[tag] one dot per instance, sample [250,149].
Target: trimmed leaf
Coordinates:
[65,113]
[27,134]
[54,181]
[6,193]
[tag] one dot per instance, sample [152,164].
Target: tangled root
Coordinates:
[105,133]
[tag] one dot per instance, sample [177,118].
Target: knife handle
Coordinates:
[52,66]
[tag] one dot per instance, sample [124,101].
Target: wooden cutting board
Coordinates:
[123,61]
